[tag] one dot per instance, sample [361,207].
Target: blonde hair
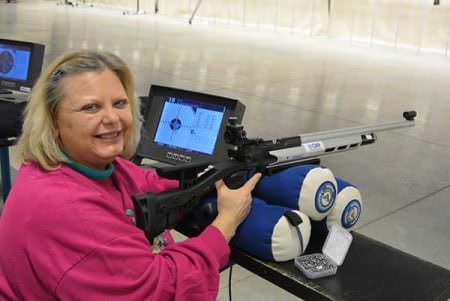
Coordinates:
[38,142]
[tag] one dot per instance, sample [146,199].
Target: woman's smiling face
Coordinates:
[93,118]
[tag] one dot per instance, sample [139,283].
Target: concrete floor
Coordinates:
[290,86]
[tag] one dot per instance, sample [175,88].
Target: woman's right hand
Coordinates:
[233,205]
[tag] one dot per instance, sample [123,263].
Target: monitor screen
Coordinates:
[189,125]
[182,126]
[14,62]
[20,64]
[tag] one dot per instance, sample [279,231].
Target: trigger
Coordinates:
[237,179]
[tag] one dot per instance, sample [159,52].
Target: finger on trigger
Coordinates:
[219,184]
[253,181]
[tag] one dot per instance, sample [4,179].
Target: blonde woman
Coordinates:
[67,229]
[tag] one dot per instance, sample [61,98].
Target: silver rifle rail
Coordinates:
[324,143]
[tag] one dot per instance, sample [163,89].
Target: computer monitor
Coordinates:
[20,64]
[186,127]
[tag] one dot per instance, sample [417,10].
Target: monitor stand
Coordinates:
[13,96]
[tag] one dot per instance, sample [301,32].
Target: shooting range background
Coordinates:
[397,23]
[297,71]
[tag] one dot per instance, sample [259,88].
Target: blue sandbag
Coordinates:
[310,189]
[267,232]
[347,207]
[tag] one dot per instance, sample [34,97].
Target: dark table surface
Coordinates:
[371,271]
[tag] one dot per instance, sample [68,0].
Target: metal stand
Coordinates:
[197,6]
[138,9]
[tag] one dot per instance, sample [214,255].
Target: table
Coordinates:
[371,271]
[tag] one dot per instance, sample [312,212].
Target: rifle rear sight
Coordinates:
[234,133]
[253,150]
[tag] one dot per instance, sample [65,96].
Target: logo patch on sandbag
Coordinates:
[325,196]
[351,213]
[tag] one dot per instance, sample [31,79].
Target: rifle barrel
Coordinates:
[358,130]
[325,143]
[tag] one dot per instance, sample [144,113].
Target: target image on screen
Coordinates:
[14,62]
[189,125]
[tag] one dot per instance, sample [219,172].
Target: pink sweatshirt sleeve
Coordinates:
[141,179]
[156,183]
[125,269]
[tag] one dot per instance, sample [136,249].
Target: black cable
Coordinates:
[229,281]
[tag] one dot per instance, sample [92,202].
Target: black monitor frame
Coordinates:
[34,68]
[152,113]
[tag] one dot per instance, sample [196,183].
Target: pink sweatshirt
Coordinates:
[64,236]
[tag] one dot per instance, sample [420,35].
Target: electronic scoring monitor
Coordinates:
[185,127]
[20,64]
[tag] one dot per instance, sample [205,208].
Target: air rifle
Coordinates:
[157,212]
